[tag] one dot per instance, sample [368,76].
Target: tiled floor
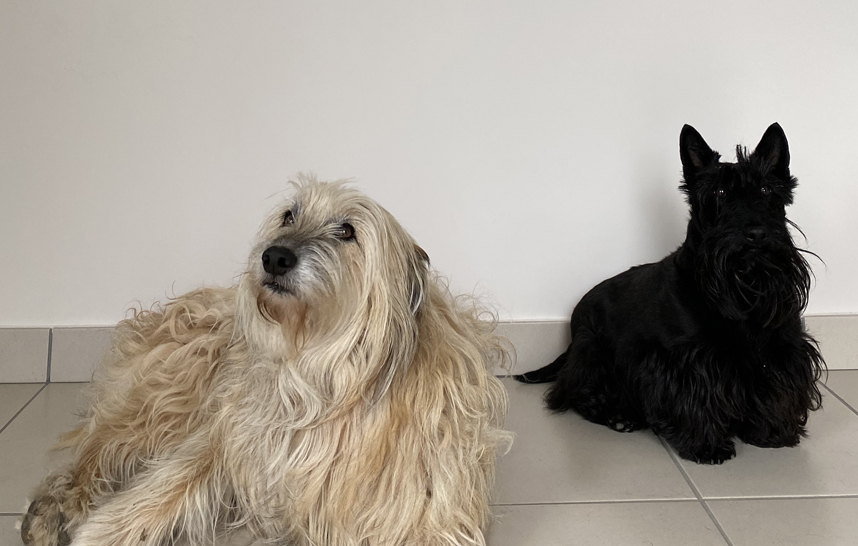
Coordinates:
[568,482]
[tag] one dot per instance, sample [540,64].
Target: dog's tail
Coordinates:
[544,374]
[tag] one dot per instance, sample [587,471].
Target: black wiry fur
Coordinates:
[705,345]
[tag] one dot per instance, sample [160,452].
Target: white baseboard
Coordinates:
[539,343]
[36,355]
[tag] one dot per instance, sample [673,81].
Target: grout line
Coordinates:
[837,396]
[696,492]
[793,497]
[50,353]
[23,408]
[651,501]
[618,501]
[655,501]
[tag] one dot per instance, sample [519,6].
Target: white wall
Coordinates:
[530,146]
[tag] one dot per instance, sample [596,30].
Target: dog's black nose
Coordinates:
[277,260]
[756,234]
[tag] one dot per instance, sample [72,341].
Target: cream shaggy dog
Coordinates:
[337,396]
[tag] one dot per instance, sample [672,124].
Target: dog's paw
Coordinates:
[716,455]
[44,524]
[622,425]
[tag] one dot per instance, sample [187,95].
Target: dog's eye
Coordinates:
[720,192]
[288,218]
[765,190]
[345,232]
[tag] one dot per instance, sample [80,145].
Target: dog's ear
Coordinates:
[694,151]
[399,339]
[417,282]
[773,151]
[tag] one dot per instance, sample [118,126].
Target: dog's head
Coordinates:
[745,260]
[334,272]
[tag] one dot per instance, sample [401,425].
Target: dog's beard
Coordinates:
[315,301]
[768,284]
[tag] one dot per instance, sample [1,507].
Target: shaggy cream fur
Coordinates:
[348,401]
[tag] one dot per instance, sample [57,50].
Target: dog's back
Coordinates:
[633,304]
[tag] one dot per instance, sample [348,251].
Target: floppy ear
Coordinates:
[694,151]
[417,278]
[773,151]
[398,304]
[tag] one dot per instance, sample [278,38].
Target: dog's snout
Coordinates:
[756,234]
[277,260]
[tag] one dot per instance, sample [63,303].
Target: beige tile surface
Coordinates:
[25,456]
[24,355]
[789,522]
[13,397]
[610,524]
[845,384]
[9,536]
[562,458]
[75,352]
[825,463]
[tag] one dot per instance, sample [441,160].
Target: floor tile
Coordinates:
[789,522]
[24,355]
[75,352]
[13,397]
[609,524]
[9,536]
[825,463]
[25,456]
[562,458]
[844,383]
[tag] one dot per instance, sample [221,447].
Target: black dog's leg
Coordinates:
[773,421]
[785,392]
[586,384]
[688,406]
[704,446]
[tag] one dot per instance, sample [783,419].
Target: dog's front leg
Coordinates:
[696,434]
[174,496]
[783,393]
[687,404]
[774,419]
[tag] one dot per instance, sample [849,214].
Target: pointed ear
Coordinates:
[694,151]
[773,151]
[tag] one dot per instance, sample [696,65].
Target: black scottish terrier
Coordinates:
[706,344]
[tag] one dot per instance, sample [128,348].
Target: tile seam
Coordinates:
[9,422]
[50,354]
[653,501]
[696,492]
[576,503]
[838,397]
[790,497]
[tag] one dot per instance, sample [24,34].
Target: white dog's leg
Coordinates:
[175,496]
